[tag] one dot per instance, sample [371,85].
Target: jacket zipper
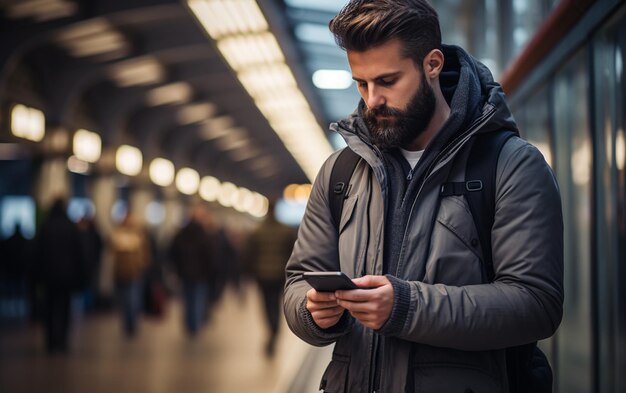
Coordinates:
[410,175]
[482,120]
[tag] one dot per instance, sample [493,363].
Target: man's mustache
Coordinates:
[384,111]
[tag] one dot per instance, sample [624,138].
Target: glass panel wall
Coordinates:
[536,127]
[534,122]
[493,31]
[609,94]
[573,161]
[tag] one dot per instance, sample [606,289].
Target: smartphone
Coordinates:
[329,281]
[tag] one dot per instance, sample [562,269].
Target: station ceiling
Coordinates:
[171,78]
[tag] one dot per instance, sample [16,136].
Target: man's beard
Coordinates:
[404,126]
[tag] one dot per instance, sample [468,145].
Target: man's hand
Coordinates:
[371,306]
[323,308]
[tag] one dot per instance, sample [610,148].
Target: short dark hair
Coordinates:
[364,24]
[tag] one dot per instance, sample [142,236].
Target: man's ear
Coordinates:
[433,63]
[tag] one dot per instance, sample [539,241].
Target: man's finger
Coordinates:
[321,305]
[316,296]
[358,295]
[327,313]
[371,281]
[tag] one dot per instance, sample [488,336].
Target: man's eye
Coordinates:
[387,82]
[362,84]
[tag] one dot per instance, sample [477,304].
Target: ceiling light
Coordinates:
[259,79]
[195,113]
[210,188]
[221,122]
[227,144]
[174,93]
[187,181]
[41,10]
[95,37]
[219,130]
[251,50]
[221,18]
[161,172]
[228,194]
[145,70]
[332,79]
[128,160]
[260,206]
[28,123]
[245,200]
[239,155]
[87,145]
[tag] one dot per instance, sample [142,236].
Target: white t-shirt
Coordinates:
[412,156]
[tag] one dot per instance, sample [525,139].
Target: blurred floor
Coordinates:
[227,356]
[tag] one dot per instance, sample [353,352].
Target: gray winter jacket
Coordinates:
[448,328]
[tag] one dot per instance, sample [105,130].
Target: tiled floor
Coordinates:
[226,357]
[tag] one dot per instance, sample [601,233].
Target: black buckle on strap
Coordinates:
[473,185]
[339,187]
[460,188]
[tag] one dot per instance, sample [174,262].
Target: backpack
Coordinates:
[129,254]
[528,369]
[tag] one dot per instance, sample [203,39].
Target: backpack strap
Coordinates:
[480,188]
[339,182]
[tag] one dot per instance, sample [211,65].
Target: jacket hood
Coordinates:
[458,61]
[469,89]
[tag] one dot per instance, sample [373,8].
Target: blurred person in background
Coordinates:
[14,268]
[231,244]
[268,250]
[131,258]
[92,242]
[155,293]
[192,255]
[62,268]
[226,261]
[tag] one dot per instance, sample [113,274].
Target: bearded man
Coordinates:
[426,317]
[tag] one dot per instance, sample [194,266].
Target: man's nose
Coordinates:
[374,99]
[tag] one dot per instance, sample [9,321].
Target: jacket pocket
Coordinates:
[454,255]
[453,378]
[335,377]
[348,210]
[454,214]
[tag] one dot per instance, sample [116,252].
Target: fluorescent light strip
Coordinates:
[229,195]
[222,18]
[253,52]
